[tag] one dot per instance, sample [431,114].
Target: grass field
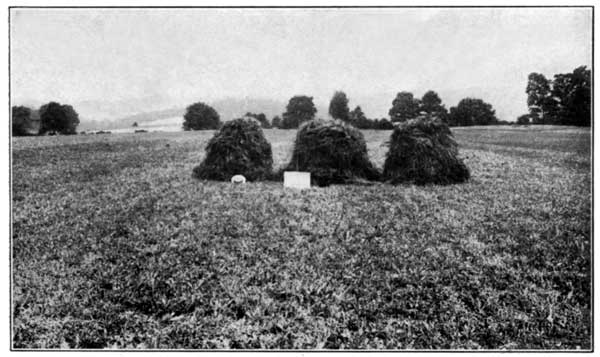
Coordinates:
[115,245]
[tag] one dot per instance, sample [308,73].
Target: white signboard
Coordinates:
[296,179]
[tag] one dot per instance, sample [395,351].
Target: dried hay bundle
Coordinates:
[423,151]
[239,147]
[333,152]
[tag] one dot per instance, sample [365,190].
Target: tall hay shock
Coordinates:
[423,151]
[240,148]
[333,152]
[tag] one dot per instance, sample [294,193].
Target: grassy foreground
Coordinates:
[115,245]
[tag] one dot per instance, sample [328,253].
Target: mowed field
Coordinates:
[115,245]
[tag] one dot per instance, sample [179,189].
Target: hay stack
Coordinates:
[423,151]
[240,148]
[333,152]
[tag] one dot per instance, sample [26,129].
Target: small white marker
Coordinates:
[296,179]
[237,179]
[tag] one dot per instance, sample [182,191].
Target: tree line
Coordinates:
[301,108]
[51,118]
[565,100]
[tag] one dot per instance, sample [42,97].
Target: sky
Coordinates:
[173,57]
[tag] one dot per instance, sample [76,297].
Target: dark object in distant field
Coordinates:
[103,132]
[141,131]
[240,148]
[423,151]
[333,152]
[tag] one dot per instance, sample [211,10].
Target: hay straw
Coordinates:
[423,151]
[333,152]
[238,148]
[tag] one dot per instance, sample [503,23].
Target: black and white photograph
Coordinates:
[300,178]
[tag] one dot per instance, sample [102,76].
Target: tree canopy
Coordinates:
[404,107]
[472,111]
[276,122]
[200,116]
[21,117]
[431,103]
[359,120]
[300,108]
[338,106]
[566,100]
[524,119]
[262,119]
[57,118]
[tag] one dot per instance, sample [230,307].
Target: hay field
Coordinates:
[115,245]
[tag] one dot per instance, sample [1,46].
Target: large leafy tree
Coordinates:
[58,118]
[431,103]
[300,108]
[566,100]
[472,111]
[404,107]
[21,117]
[338,106]
[200,116]
[572,93]
[539,99]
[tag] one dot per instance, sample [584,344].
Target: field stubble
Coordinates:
[115,245]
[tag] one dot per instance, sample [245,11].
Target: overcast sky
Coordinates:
[183,55]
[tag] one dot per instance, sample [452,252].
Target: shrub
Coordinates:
[200,116]
[423,151]
[333,152]
[239,147]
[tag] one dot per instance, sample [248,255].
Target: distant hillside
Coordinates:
[228,108]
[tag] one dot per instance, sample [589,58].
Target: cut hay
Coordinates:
[238,148]
[333,152]
[423,151]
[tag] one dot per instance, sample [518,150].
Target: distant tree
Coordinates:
[472,111]
[57,118]
[383,124]
[524,119]
[135,124]
[404,107]
[572,94]
[276,122]
[21,117]
[262,118]
[431,103]
[338,106]
[200,116]
[299,109]
[359,120]
[539,99]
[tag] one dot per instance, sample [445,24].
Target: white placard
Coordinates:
[296,179]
